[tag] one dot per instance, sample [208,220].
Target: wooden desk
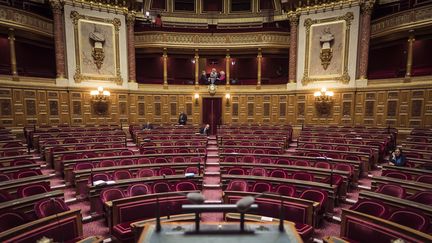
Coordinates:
[11,186]
[6,161]
[411,187]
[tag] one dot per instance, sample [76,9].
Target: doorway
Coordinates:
[212,113]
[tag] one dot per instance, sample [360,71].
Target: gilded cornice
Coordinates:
[211,40]
[19,19]
[110,6]
[402,21]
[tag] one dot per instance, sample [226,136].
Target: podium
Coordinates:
[224,232]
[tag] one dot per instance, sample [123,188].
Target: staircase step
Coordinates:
[213,201]
[212,163]
[212,185]
[212,173]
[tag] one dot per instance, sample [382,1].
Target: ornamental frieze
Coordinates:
[18,19]
[210,40]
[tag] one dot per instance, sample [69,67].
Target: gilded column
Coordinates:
[57,9]
[411,41]
[259,60]
[11,39]
[165,68]
[227,68]
[196,58]
[292,66]
[366,9]
[130,19]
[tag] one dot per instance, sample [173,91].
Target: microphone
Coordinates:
[91,176]
[331,171]
[199,162]
[243,205]
[158,223]
[195,197]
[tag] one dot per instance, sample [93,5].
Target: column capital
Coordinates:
[130,17]
[56,5]
[293,18]
[367,6]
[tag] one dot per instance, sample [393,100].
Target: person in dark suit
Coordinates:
[203,78]
[398,158]
[182,118]
[148,126]
[205,130]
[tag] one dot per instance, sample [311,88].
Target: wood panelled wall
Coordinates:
[408,107]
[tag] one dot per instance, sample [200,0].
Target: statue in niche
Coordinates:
[98,41]
[326,53]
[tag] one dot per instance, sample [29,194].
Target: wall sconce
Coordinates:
[227,97]
[100,100]
[196,97]
[323,101]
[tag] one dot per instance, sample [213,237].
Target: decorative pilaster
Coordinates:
[365,28]
[11,39]
[165,68]
[259,60]
[409,62]
[196,58]
[293,17]
[59,43]
[130,20]
[227,68]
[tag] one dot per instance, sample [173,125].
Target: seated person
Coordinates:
[205,130]
[147,126]
[398,158]
[213,76]
[182,118]
[203,79]
[222,77]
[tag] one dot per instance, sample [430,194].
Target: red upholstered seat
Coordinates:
[122,175]
[196,160]
[333,155]
[99,146]
[109,154]
[301,163]
[110,194]
[166,171]
[392,190]
[83,166]
[248,159]
[144,161]
[316,196]
[409,218]
[178,159]
[11,219]
[100,177]
[71,157]
[126,162]
[261,187]
[425,179]
[27,173]
[322,164]
[308,145]
[33,189]
[236,171]
[342,148]
[160,187]
[160,160]
[286,190]
[313,154]
[51,206]
[265,160]
[237,185]
[371,207]
[192,169]
[422,197]
[230,159]
[396,174]
[278,173]
[22,162]
[259,151]
[146,173]
[258,172]
[304,176]
[344,167]
[107,163]
[89,155]
[4,177]
[352,157]
[283,162]
[185,186]
[138,189]
[334,180]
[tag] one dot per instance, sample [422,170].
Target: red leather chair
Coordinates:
[286,190]
[410,218]
[100,177]
[397,175]
[261,187]
[283,162]
[166,171]
[344,167]
[33,189]
[110,194]
[371,207]
[5,196]
[11,219]
[27,173]
[178,159]
[322,164]
[392,190]
[109,154]
[160,160]
[264,160]
[107,163]
[83,166]
[160,187]
[144,161]
[248,159]
[138,189]
[230,159]
[185,186]
[122,175]
[304,176]
[278,173]
[4,177]
[237,185]
[236,171]
[22,162]
[301,163]
[146,173]
[422,197]
[50,206]
[126,162]
[425,179]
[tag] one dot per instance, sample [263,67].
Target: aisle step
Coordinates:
[212,163]
[213,201]
[212,185]
[212,173]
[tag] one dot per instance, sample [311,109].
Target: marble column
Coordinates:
[294,19]
[57,9]
[130,20]
[13,61]
[227,68]
[409,62]
[196,59]
[259,60]
[165,68]
[366,11]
